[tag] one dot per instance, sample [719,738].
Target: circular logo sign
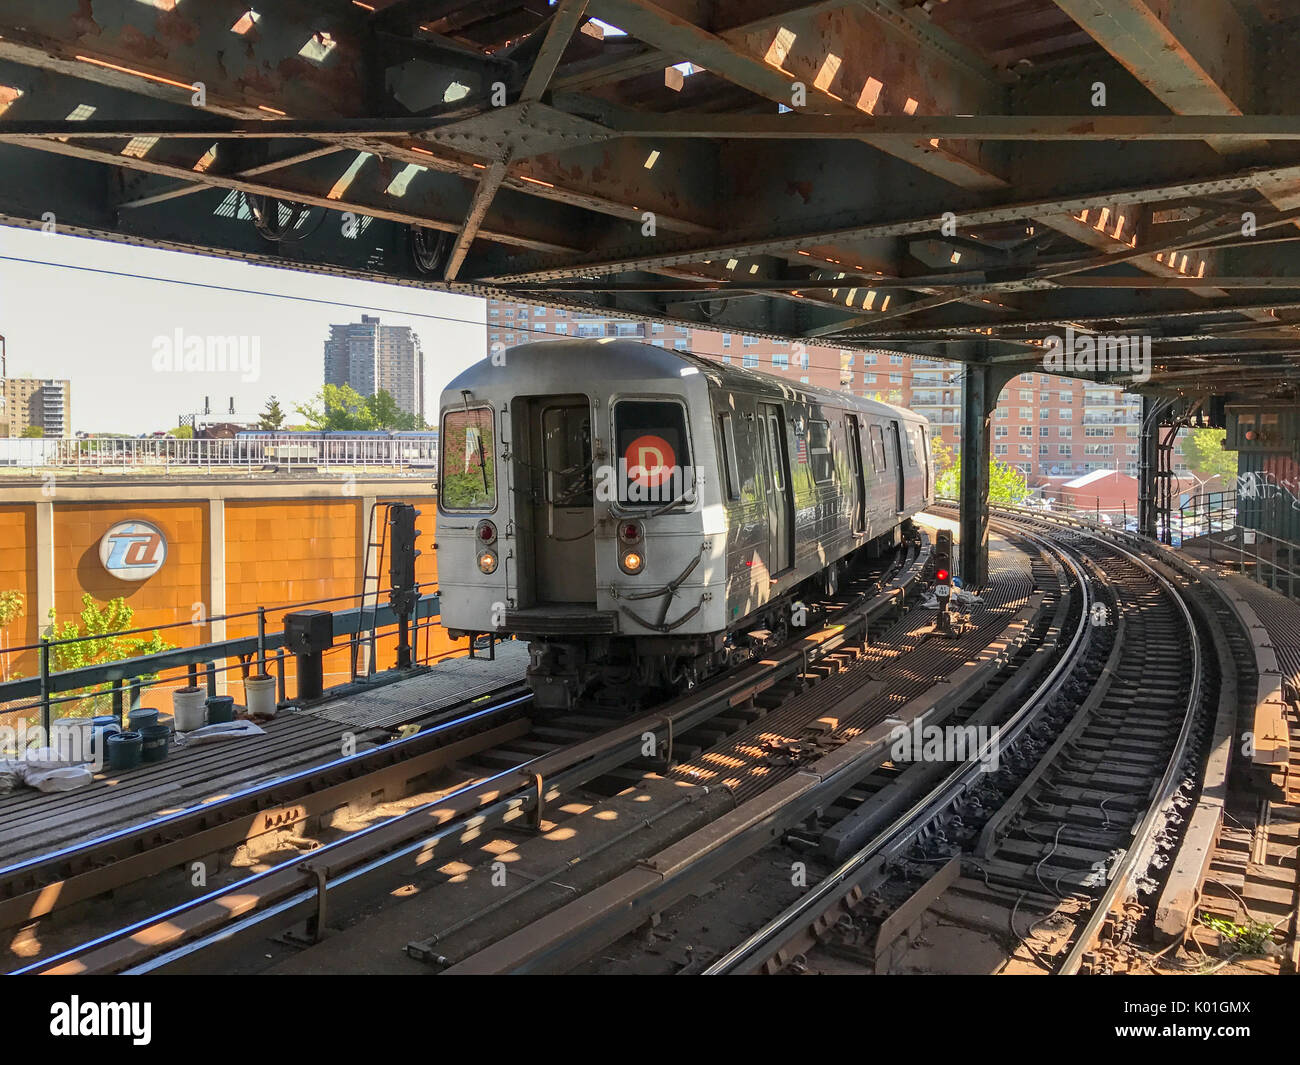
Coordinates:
[650,460]
[133,550]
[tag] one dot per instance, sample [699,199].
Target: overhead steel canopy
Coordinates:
[963,179]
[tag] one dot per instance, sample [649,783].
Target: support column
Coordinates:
[979,395]
[1148,443]
[216,606]
[44,567]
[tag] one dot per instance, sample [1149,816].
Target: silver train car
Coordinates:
[646,517]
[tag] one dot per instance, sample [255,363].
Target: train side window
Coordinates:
[467,470]
[878,448]
[819,452]
[911,446]
[727,440]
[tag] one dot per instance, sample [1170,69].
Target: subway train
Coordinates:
[645,518]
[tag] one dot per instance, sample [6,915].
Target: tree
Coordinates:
[182,432]
[12,607]
[1203,450]
[33,431]
[337,408]
[272,417]
[384,410]
[1007,485]
[98,630]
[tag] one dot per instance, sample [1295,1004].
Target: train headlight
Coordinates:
[630,532]
[487,562]
[486,532]
[632,561]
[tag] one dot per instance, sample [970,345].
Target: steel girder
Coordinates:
[908,146]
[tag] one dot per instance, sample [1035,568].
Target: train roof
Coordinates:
[619,359]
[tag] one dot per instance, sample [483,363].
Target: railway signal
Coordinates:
[403,591]
[943,578]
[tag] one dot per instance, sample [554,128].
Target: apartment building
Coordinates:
[35,401]
[370,356]
[1047,427]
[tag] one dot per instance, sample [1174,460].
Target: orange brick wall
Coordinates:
[168,596]
[290,551]
[278,553]
[18,573]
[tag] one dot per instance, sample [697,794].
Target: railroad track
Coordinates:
[518,776]
[1093,827]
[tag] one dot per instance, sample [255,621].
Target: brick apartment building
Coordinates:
[34,401]
[1050,428]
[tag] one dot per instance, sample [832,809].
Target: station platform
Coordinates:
[33,822]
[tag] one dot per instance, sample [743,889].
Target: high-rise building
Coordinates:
[352,353]
[42,402]
[369,357]
[1047,427]
[401,367]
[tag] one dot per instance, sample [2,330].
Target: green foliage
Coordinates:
[342,409]
[97,631]
[12,607]
[272,416]
[182,432]
[32,432]
[1248,938]
[1203,450]
[1007,485]
[386,414]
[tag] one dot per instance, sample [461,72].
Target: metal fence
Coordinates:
[108,454]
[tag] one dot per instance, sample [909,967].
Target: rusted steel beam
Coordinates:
[568,16]
[121,52]
[1197,58]
[1109,192]
[757,61]
[363,199]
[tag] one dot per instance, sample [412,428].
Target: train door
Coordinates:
[780,504]
[853,431]
[564,552]
[896,453]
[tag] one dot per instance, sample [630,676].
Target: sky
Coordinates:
[114,336]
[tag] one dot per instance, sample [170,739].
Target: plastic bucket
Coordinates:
[169,723]
[101,728]
[72,737]
[190,708]
[124,750]
[221,708]
[154,741]
[259,696]
[140,717]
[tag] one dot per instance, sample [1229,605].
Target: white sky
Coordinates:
[99,331]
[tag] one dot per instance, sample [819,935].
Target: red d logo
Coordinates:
[650,460]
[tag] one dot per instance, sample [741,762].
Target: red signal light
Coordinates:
[942,574]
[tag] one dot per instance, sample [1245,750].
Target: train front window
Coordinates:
[467,470]
[654,461]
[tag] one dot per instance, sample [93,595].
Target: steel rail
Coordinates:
[488,806]
[126,849]
[1143,836]
[757,947]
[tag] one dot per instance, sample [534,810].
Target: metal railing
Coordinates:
[118,686]
[169,454]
